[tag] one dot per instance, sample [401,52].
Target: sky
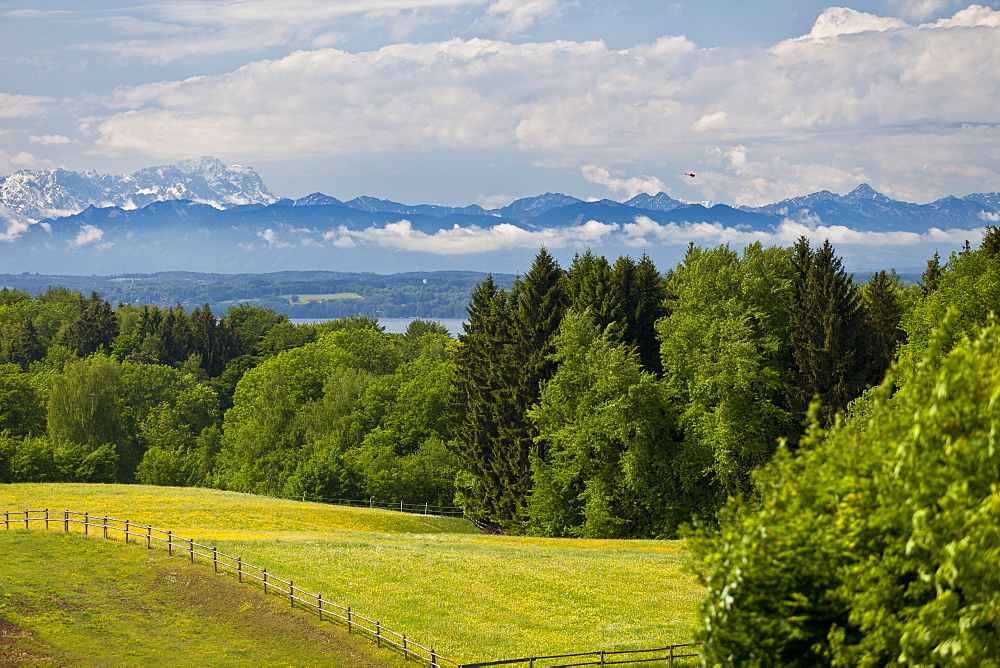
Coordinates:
[459,102]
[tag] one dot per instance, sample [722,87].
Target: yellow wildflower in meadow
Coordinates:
[439,580]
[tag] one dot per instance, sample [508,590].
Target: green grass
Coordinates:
[65,598]
[473,597]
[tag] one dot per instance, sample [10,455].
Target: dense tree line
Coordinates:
[245,401]
[434,294]
[875,540]
[602,399]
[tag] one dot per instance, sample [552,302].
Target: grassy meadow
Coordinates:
[68,599]
[439,580]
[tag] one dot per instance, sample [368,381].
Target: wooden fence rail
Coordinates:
[414,508]
[114,528]
[669,655]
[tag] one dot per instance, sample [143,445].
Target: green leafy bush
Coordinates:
[878,543]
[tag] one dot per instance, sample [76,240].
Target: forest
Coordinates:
[827,446]
[602,400]
[297,294]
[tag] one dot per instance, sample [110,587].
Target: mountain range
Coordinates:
[206,215]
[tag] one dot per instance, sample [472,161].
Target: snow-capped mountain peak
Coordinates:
[29,196]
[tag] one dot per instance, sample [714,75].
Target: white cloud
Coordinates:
[272,240]
[836,21]
[473,239]
[88,234]
[629,187]
[494,201]
[48,140]
[455,94]
[166,31]
[861,97]
[15,225]
[22,106]
[755,182]
[971,16]
[10,163]
[642,232]
[990,217]
[918,10]
[510,17]
[716,119]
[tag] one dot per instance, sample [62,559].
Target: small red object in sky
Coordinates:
[688,174]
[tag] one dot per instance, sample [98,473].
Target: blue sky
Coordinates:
[483,101]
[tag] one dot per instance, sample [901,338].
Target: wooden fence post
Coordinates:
[25,518]
[126,532]
[378,633]
[65,520]
[348,619]
[105,526]
[406,652]
[149,536]
[6,519]
[86,523]
[670,661]
[319,598]
[46,519]
[215,559]
[191,548]
[170,543]
[239,569]
[434,658]
[291,596]
[265,580]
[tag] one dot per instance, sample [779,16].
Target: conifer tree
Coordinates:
[825,332]
[539,302]
[500,369]
[213,339]
[645,302]
[882,317]
[93,328]
[478,399]
[590,287]
[630,298]
[931,277]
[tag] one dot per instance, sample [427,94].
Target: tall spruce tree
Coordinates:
[883,313]
[539,301]
[931,277]
[645,293]
[629,298]
[825,332]
[94,327]
[500,368]
[479,400]
[590,288]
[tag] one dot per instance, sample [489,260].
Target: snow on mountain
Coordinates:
[527,208]
[658,202]
[28,196]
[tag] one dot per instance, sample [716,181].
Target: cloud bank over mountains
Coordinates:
[201,215]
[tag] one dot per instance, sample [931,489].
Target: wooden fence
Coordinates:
[111,528]
[415,508]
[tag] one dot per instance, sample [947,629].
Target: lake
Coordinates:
[397,325]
